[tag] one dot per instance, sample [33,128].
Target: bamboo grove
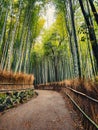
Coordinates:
[66,50]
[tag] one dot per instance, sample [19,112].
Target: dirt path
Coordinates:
[46,112]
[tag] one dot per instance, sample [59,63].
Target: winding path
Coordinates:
[46,112]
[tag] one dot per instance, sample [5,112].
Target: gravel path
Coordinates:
[46,112]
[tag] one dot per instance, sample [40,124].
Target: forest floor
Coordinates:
[49,111]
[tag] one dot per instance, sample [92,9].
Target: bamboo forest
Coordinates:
[49,50]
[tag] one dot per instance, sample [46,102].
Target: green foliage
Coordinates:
[8,100]
[27,46]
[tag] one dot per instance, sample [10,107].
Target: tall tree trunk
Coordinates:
[94,10]
[4,27]
[75,38]
[10,51]
[92,35]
